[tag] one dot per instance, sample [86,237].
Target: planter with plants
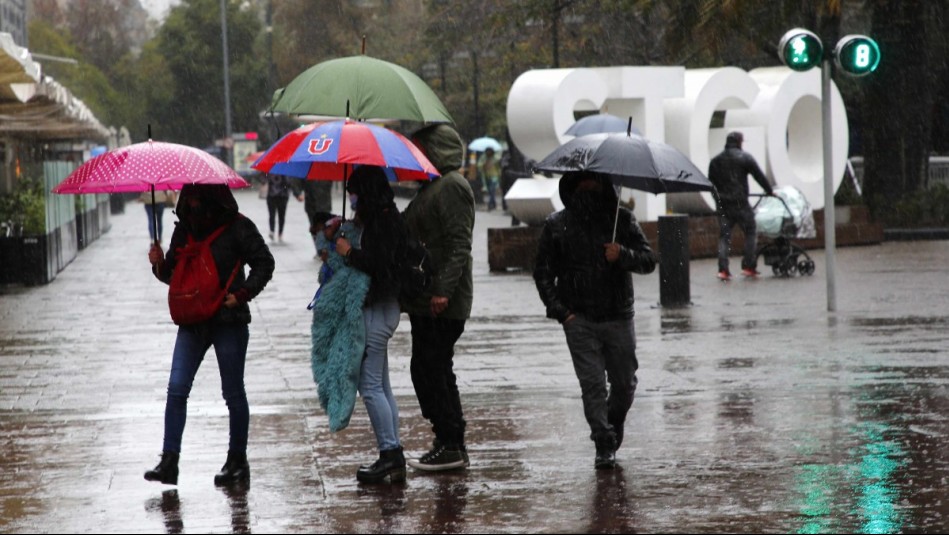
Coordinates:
[23,234]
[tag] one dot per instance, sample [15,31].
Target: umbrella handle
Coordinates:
[154,211]
[345,173]
[616,219]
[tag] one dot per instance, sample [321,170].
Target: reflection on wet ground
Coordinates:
[756,411]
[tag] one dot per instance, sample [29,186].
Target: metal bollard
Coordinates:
[673,236]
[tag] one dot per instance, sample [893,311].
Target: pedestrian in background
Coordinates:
[204,210]
[584,279]
[156,210]
[490,171]
[728,172]
[442,217]
[278,195]
[317,202]
[475,180]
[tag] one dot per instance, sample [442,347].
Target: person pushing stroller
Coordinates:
[728,172]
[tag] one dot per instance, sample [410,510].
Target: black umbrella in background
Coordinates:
[630,161]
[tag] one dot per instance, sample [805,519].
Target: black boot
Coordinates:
[167,469]
[605,452]
[390,463]
[617,432]
[235,469]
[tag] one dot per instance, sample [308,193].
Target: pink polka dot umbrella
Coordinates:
[152,165]
[149,166]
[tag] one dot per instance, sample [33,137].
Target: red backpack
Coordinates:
[195,294]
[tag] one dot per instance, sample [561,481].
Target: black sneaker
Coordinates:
[440,458]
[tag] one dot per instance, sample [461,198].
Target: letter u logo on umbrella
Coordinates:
[319,146]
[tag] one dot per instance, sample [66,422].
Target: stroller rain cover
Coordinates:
[792,218]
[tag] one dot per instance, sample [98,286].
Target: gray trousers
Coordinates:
[604,352]
[743,216]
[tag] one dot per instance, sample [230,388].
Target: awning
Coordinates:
[37,106]
[17,69]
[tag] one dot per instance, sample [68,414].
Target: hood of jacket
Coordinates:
[442,146]
[570,181]
[219,206]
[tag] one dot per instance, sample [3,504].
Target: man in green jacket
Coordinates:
[442,217]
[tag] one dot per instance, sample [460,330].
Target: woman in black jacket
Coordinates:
[382,244]
[202,210]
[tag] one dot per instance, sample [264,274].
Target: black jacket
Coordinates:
[728,172]
[571,271]
[384,234]
[240,243]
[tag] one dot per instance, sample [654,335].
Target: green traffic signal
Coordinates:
[800,49]
[857,55]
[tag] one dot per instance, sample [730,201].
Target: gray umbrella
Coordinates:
[600,123]
[629,160]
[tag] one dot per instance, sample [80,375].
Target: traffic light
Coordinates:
[800,49]
[857,55]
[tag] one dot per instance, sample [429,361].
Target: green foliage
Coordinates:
[84,80]
[191,108]
[847,194]
[25,207]
[926,208]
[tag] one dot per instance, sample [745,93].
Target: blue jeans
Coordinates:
[492,184]
[230,346]
[601,352]
[381,319]
[151,210]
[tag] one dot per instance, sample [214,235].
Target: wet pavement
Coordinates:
[757,410]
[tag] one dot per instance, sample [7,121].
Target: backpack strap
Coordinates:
[210,239]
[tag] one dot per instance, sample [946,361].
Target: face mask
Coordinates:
[352,200]
[196,213]
[587,201]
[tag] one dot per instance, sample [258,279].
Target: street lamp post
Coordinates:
[227,86]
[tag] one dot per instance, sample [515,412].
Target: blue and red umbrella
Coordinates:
[330,150]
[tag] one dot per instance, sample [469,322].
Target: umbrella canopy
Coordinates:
[361,87]
[149,166]
[629,160]
[600,123]
[328,150]
[484,143]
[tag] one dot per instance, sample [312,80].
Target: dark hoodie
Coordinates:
[571,271]
[384,234]
[241,244]
[442,217]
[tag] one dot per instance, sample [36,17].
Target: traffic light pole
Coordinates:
[857,55]
[830,224]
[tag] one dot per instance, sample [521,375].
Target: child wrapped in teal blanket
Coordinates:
[338,330]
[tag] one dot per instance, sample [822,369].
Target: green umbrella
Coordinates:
[362,88]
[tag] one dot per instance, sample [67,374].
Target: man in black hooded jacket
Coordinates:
[728,172]
[584,279]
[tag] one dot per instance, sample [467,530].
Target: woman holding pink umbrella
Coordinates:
[209,212]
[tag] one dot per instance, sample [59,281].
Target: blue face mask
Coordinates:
[352,200]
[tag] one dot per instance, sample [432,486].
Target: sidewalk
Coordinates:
[757,410]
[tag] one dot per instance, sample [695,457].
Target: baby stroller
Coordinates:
[780,218]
